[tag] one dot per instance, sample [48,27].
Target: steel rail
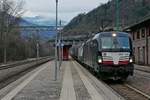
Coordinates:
[138,91]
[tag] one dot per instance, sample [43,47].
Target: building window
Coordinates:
[133,35]
[149,31]
[143,55]
[134,50]
[138,54]
[134,54]
[143,33]
[138,34]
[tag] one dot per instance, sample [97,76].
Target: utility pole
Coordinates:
[2,31]
[147,57]
[56,40]
[117,15]
[37,50]
[5,38]
[62,46]
[60,53]
[37,44]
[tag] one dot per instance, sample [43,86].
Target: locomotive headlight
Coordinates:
[114,34]
[99,60]
[131,60]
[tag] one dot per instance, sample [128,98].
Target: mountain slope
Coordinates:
[42,21]
[23,22]
[37,21]
[104,16]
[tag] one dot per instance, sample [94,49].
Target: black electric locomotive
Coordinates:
[109,54]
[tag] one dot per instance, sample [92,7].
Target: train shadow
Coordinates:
[113,82]
[107,81]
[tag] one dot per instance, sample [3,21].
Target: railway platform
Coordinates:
[73,83]
[142,68]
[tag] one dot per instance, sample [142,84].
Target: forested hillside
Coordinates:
[104,16]
[13,46]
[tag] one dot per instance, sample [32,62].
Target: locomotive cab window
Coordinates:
[118,42]
[95,44]
[143,33]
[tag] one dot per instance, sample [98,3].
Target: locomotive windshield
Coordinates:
[118,42]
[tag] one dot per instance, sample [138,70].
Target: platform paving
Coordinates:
[67,92]
[92,91]
[142,68]
[73,83]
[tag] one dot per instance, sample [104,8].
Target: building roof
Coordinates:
[140,23]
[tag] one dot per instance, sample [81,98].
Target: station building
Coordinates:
[140,33]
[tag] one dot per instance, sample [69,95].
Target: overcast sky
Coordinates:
[67,8]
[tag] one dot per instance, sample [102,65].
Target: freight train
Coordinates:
[109,54]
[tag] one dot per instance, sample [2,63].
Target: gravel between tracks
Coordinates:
[127,93]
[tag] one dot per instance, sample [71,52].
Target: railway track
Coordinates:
[11,72]
[128,92]
[146,71]
[125,90]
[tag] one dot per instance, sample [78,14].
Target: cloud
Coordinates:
[29,14]
[67,8]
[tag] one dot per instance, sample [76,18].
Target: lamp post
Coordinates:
[56,40]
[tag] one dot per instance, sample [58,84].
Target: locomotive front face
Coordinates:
[115,49]
[115,54]
[116,58]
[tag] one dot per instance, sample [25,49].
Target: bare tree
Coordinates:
[10,12]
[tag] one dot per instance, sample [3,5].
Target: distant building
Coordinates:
[141,41]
